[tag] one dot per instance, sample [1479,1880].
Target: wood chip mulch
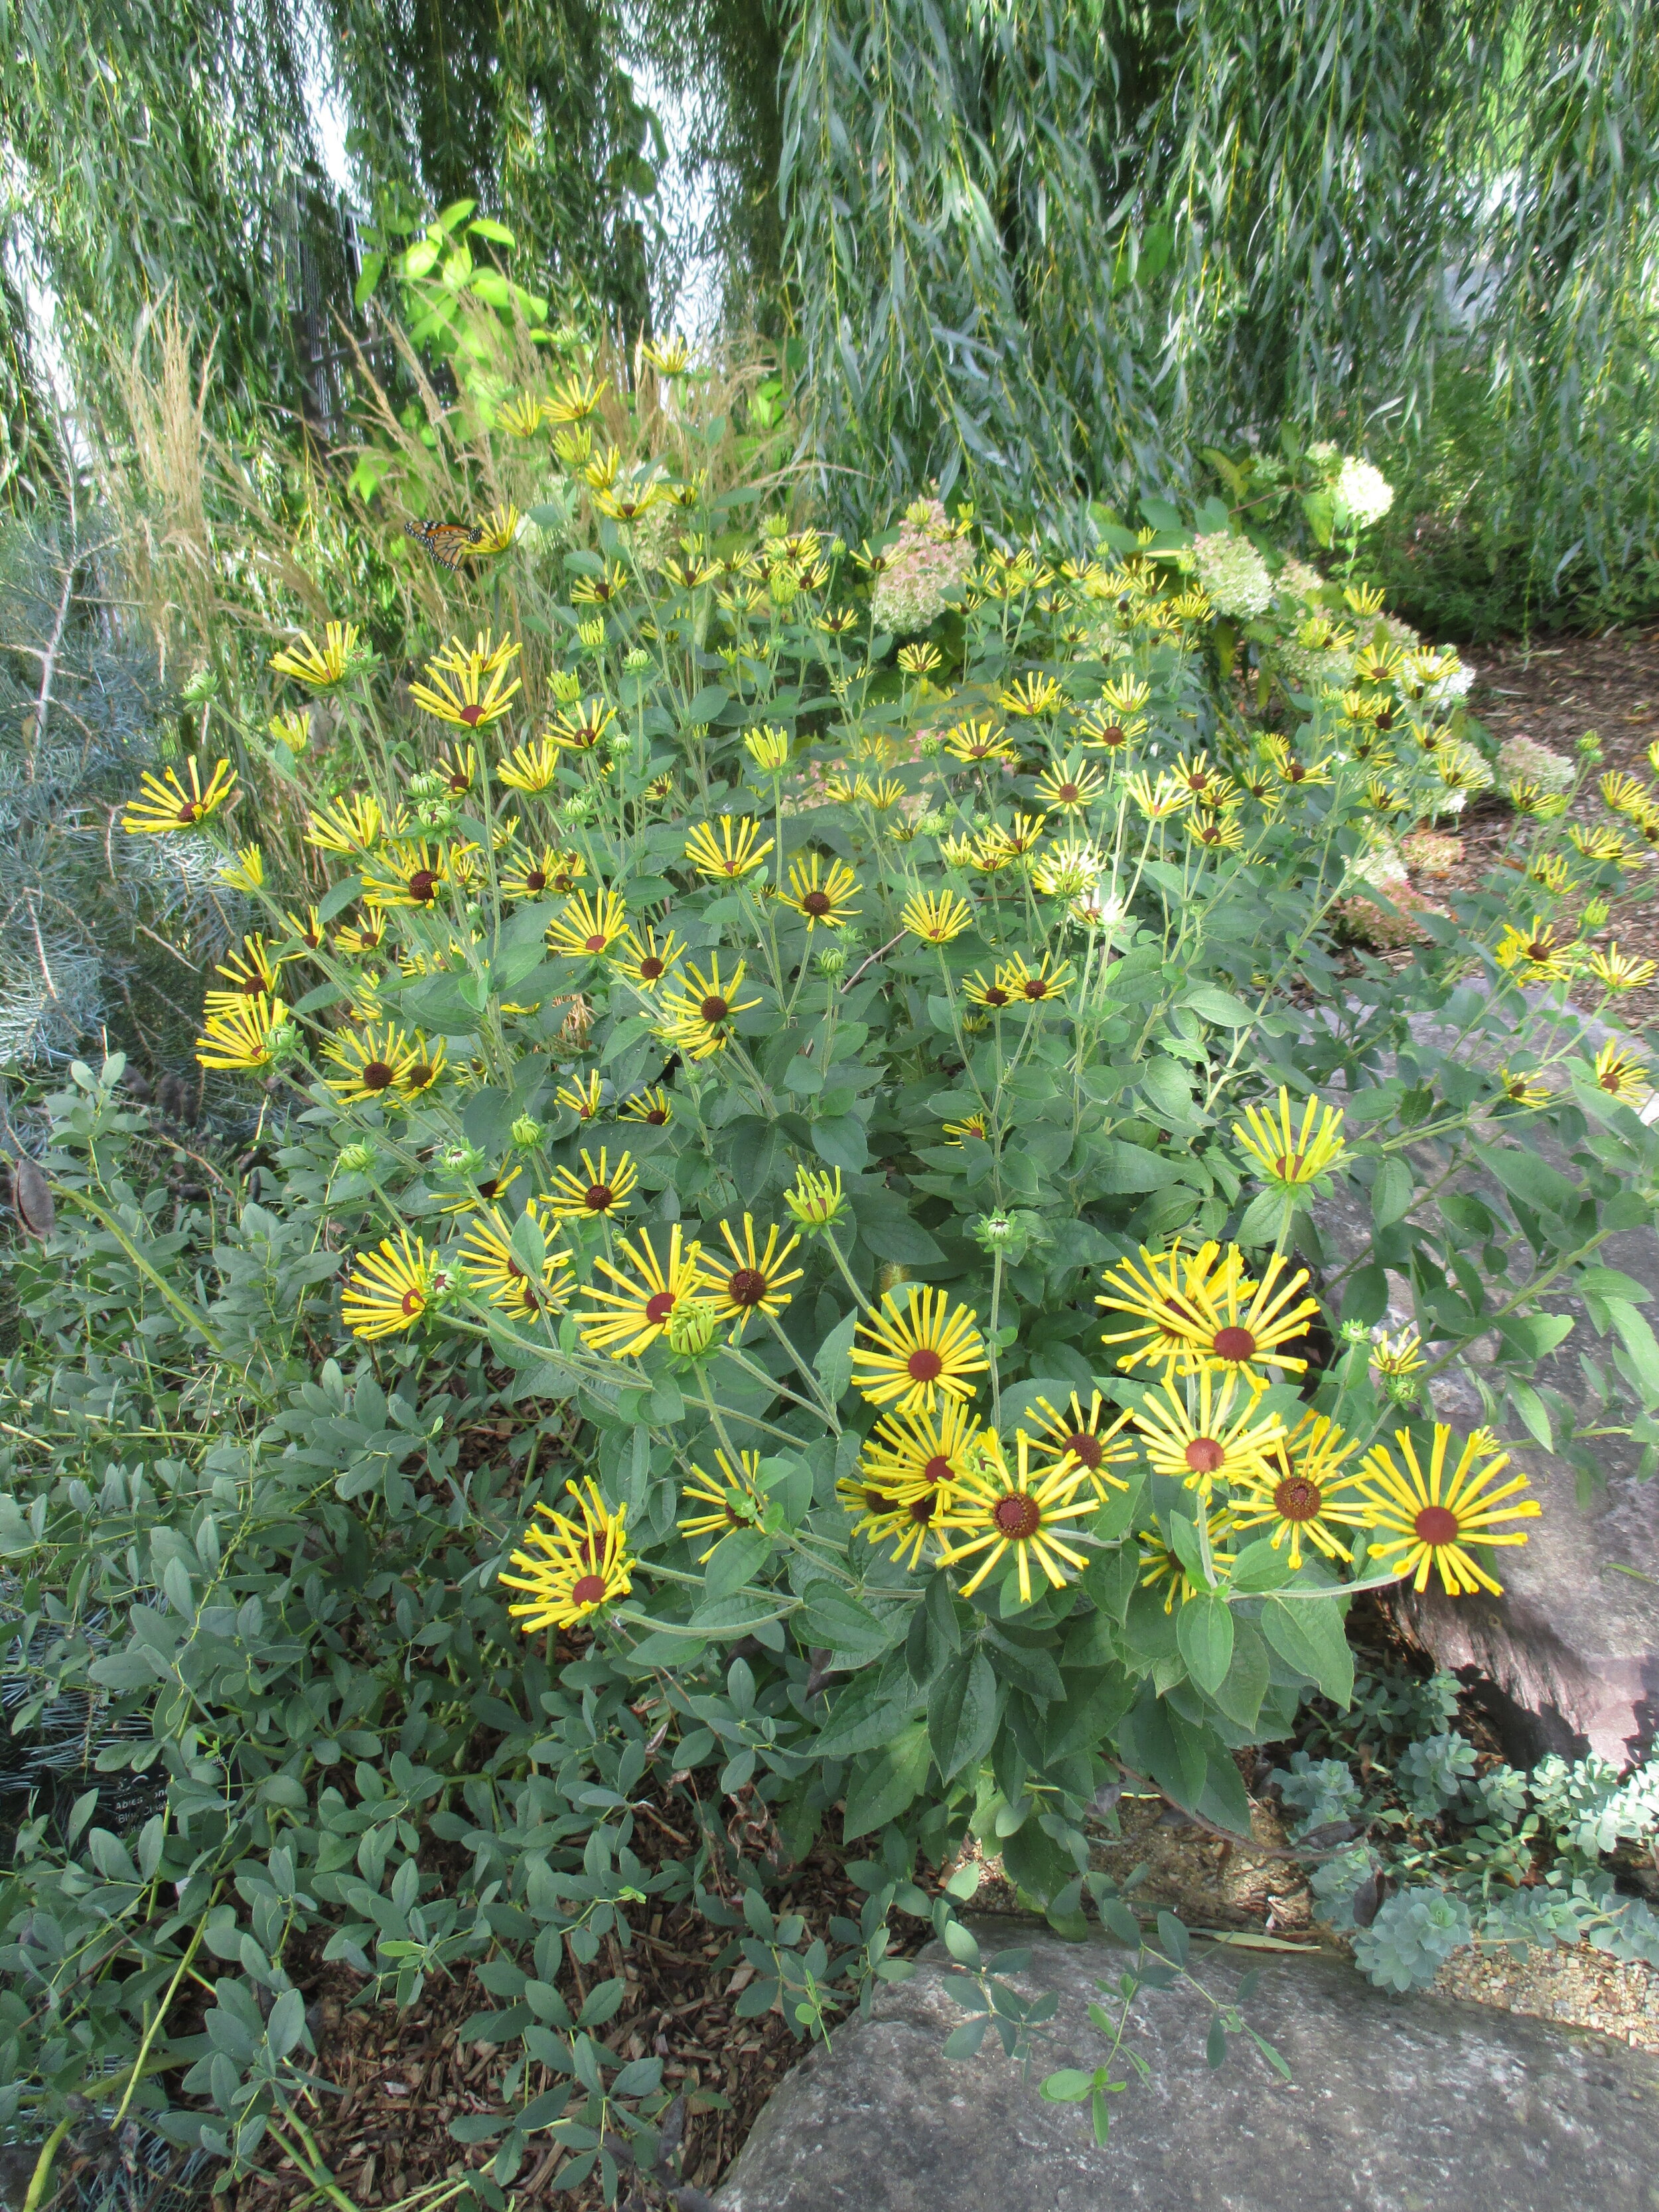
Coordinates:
[397,2083]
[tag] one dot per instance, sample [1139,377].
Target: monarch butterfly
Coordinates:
[448,543]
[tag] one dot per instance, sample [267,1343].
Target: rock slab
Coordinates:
[1415,2104]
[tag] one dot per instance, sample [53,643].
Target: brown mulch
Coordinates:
[1553,693]
[401,2081]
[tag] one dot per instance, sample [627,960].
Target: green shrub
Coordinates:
[870,1126]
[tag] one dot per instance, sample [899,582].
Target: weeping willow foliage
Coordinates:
[1056,250]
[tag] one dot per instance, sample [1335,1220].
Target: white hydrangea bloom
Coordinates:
[1297,580]
[1523,758]
[1362,493]
[1233,573]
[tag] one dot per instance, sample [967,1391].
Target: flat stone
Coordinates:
[1414,2103]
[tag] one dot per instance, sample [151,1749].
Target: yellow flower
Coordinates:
[815,1202]
[1069,869]
[1217,833]
[1299,774]
[903,1511]
[1243,1327]
[599,591]
[769,748]
[1126,694]
[551,870]
[367,935]
[995,995]
[1035,694]
[926,1452]
[1521,1087]
[752,1282]
[653,1106]
[249,973]
[729,856]
[291,730]
[1426,1522]
[588,925]
[469,695]
[884,794]
[1288,1158]
[415,875]
[166,804]
[974,741]
[1536,955]
[426,1070]
[349,826]
[1071,786]
[668,356]
[1212,1441]
[1034,987]
[388,1290]
[574,399]
[1398,1355]
[484,1192]
[936,917]
[1161,1561]
[246,873]
[1618,971]
[247,1036]
[700,1012]
[498,1272]
[570,1571]
[585,1097]
[498,530]
[919,1351]
[629,1320]
[971,1125]
[1170,1295]
[1088,1440]
[596,1191]
[644,961]
[1155,801]
[1112,728]
[319,669]
[735,1499]
[370,1065]
[1621,1073]
[819,898]
[1304,1492]
[1624,793]
[531,767]
[521,415]
[1599,844]
[993,1512]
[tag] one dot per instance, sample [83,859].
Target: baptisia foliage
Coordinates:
[866,1124]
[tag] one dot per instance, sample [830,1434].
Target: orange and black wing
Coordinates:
[448,543]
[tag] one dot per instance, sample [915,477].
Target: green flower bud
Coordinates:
[1596,913]
[692,1326]
[635,660]
[460,1159]
[527,1131]
[355,1159]
[831,961]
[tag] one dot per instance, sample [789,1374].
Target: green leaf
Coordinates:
[961,1713]
[835,1360]
[1526,1177]
[735,1560]
[1204,1636]
[834,1617]
[841,1139]
[1259,1567]
[1309,1636]
[1392,1192]
[1125,1170]
[483,226]
[1214,1005]
[886,1782]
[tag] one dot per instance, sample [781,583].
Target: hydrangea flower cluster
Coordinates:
[1234,575]
[929,563]
[1362,494]
[1524,759]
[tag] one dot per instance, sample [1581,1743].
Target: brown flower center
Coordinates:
[652,969]
[411,1302]
[1036,987]
[1435,1524]
[746,1286]
[1113,734]
[1067,794]
[715,1010]
[877,1501]
[534,880]
[471,715]
[424,885]
[1233,1344]
[924,1364]
[658,1307]
[936,1469]
[1018,1516]
[996,996]
[377,1076]
[598,1197]
[588,1589]
[1205,1454]
[922,1510]
[1090,1449]
[658,1115]
[1296,1499]
[597,943]
[816,903]
[420,1075]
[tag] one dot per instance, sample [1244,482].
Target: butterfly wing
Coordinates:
[448,543]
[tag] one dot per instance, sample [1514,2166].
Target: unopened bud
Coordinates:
[460,1159]
[355,1159]
[691,1328]
[527,1131]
